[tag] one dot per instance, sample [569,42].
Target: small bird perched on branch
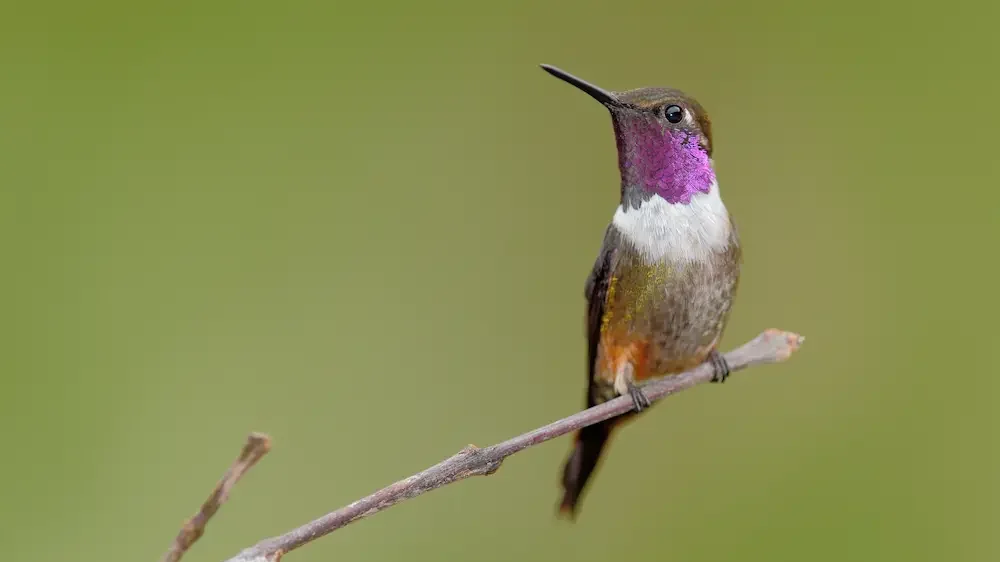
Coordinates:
[662,286]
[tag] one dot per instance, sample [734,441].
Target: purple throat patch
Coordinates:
[668,162]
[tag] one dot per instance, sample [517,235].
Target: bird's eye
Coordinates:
[673,113]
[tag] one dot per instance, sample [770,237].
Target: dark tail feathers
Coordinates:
[581,463]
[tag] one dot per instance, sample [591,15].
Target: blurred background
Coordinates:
[364,230]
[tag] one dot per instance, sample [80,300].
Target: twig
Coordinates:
[772,346]
[257,446]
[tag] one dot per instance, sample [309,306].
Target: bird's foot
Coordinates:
[720,365]
[625,384]
[639,399]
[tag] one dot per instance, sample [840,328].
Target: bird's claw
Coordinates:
[639,399]
[721,366]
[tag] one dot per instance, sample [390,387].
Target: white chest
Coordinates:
[677,232]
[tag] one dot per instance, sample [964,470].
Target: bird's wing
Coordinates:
[596,292]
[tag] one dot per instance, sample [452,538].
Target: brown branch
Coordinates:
[257,446]
[772,346]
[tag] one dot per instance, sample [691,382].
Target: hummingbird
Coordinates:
[661,289]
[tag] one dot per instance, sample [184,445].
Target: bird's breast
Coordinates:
[665,315]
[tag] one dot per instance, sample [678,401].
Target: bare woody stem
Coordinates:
[771,346]
[257,446]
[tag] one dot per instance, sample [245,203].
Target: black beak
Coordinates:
[605,97]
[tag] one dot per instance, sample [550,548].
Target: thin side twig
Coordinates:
[257,446]
[771,346]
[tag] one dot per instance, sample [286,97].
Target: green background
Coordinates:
[365,230]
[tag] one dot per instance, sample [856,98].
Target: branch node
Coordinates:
[478,461]
[491,467]
[469,450]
